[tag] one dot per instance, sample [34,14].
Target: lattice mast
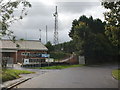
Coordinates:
[56,27]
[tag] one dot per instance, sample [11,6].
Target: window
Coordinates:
[25,53]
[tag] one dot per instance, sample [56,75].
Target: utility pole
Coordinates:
[46,35]
[40,35]
[56,27]
[25,45]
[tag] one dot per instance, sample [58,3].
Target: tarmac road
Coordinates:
[79,77]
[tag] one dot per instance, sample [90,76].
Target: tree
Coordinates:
[112,18]
[49,46]
[8,17]
[74,23]
[69,47]
[95,25]
[80,36]
[90,40]
[7,13]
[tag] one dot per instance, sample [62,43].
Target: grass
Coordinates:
[58,66]
[11,74]
[116,74]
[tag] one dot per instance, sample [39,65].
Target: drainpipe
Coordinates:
[16,57]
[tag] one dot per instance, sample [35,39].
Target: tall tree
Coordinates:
[112,18]
[90,40]
[7,9]
[49,46]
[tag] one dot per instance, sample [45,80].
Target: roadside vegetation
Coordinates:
[59,55]
[11,74]
[59,66]
[116,74]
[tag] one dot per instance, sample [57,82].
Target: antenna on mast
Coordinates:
[56,27]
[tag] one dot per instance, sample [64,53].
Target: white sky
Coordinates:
[41,14]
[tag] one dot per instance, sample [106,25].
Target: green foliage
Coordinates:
[116,74]
[49,46]
[10,74]
[89,38]
[58,55]
[83,23]
[22,39]
[66,47]
[60,51]
[7,10]
[112,18]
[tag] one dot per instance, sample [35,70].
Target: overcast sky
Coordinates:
[41,14]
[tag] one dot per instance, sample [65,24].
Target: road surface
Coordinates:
[79,77]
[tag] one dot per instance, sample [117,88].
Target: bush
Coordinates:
[58,55]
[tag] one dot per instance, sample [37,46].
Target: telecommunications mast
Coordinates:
[56,27]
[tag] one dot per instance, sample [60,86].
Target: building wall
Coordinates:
[73,60]
[13,55]
[20,57]
[10,54]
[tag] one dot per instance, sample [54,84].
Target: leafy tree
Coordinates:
[7,17]
[49,46]
[95,26]
[69,47]
[80,35]
[112,18]
[90,40]
[66,47]
[7,13]
[112,28]
[74,23]
[59,55]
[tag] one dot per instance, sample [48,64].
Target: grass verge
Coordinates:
[11,74]
[58,66]
[116,74]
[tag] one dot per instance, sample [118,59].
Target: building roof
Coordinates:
[24,45]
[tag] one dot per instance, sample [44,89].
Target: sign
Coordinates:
[36,55]
[26,61]
[49,60]
[45,55]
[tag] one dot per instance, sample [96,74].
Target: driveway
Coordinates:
[79,77]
